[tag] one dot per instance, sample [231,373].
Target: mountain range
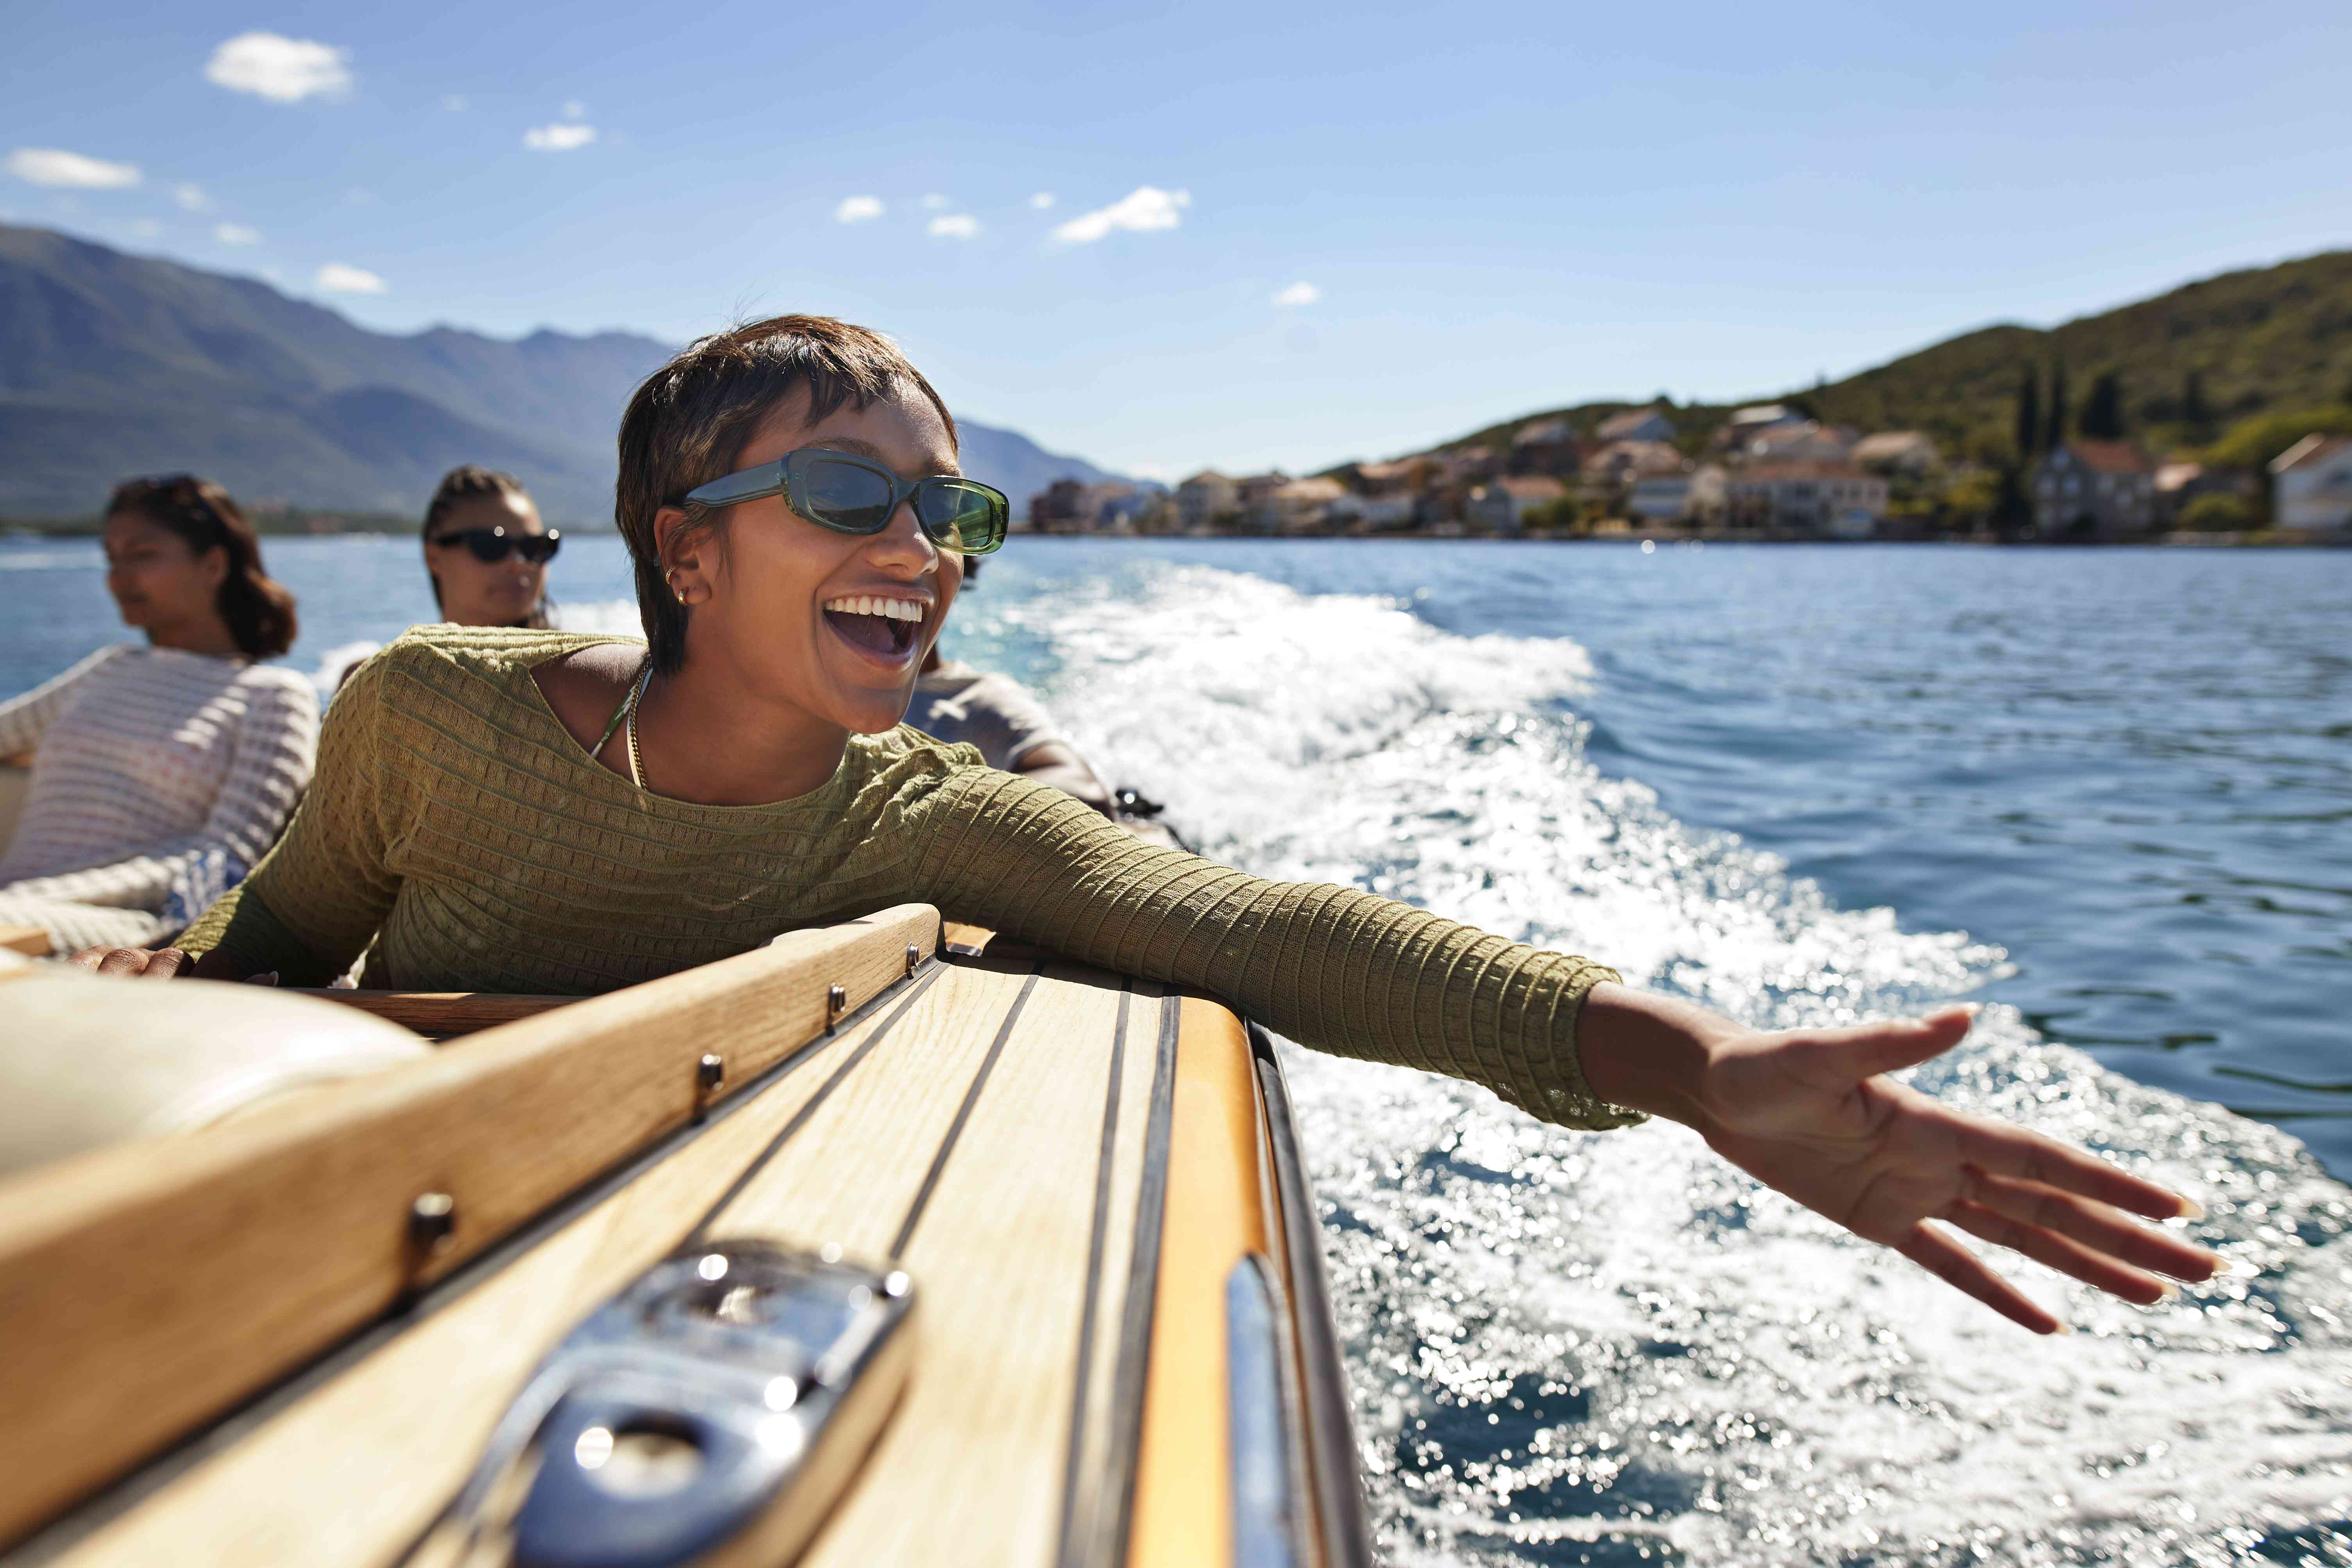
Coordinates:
[113,364]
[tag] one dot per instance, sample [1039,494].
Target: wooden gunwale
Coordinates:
[164,1281]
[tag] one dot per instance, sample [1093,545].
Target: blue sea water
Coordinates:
[2106,790]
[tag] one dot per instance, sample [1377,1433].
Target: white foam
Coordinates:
[1767,1390]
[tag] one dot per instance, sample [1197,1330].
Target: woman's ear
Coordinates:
[214,563]
[685,555]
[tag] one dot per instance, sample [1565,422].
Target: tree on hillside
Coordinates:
[2103,411]
[2195,412]
[2054,426]
[2029,413]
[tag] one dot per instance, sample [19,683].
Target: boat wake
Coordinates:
[1603,1348]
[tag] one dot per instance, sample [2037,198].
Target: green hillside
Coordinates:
[2266,339]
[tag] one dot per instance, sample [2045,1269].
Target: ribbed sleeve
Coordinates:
[460,835]
[1334,968]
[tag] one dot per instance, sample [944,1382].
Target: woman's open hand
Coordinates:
[1809,1112]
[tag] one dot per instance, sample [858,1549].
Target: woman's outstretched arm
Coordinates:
[1808,1112]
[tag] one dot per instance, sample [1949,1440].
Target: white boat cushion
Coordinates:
[87,1059]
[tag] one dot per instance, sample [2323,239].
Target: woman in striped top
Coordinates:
[160,774]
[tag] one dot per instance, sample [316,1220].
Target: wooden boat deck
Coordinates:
[1005,1128]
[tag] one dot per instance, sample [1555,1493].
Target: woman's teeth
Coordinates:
[868,605]
[887,627]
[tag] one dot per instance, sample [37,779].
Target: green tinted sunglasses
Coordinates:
[851,495]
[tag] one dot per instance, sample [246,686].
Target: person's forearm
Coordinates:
[1647,1052]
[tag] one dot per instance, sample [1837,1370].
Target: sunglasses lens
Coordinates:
[962,515]
[538,549]
[847,496]
[487,543]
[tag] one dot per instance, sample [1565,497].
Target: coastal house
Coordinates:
[2312,483]
[1757,419]
[1908,452]
[2094,490]
[1070,506]
[1635,425]
[1545,447]
[1501,506]
[1804,441]
[1308,506]
[1254,497]
[1660,498]
[1622,462]
[1207,501]
[1837,499]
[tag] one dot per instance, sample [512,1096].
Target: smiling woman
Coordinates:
[790,497]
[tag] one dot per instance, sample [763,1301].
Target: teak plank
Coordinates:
[1000,1256]
[356,1467]
[30,941]
[146,1287]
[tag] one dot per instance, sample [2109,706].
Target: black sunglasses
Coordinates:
[851,495]
[489,544]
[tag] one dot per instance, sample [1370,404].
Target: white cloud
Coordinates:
[1042,200]
[955,225]
[236,234]
[279,69]
[558,138]
[1145,208]
[337,278]
[1298,294]
[55,166]
[857,209]
[192,197]
[935,201]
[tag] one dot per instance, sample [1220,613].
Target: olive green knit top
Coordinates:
[458,834]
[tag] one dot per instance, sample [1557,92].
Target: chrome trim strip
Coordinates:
[1334,1481]
[1269,1504]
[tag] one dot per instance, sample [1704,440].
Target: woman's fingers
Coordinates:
[132,961]
[1869,1049]
[2002,1150]
[1961,1269]
[2052,1250]
[2095,1224]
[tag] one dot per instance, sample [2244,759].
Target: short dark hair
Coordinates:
[471,481]
[258,609]
[688,421]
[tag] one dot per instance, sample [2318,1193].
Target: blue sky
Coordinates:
[1492,208]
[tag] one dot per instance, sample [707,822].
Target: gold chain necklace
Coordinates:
[636,695]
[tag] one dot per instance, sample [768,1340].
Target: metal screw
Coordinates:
[710,1072]
[836,1000]
[432,1221]
[914,957]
